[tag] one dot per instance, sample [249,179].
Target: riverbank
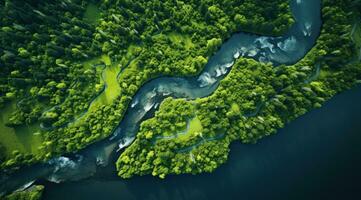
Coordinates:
[317,156]
[246,86]
[288,92]
[168,49]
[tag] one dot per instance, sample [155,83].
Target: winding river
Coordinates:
[316,156]
[287,49]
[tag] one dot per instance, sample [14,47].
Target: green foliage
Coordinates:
[45,54]
[213,44]
[47,46]
[33,193]
[269,98]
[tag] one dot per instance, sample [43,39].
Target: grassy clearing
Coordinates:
[25,139]
[112,89]
[195,129]
[184,40]
[109,77]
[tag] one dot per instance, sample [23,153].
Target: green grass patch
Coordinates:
[195,129]
[109,76]
[112,89]
[25,139]
[181,39]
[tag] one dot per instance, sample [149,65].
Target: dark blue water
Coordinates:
[314,157]
[317,156]
[286,49]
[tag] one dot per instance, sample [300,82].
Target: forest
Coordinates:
[69,70]
[269,99]
[54,72]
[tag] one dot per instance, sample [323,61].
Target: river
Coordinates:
[317,156]
[94,159]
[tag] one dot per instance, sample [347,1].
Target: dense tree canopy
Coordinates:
[270,97]
[52,58]
[55,60]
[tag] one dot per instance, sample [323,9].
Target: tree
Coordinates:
[212,45]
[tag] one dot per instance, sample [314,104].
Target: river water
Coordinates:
[317,156]
[93,160]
